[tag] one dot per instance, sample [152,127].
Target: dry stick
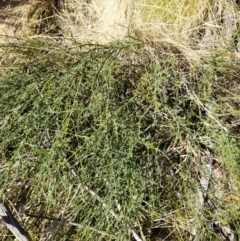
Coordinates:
[12,224]
[205,179]
[135,235]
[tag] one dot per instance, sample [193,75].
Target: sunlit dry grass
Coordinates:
[186,24]
[192,27]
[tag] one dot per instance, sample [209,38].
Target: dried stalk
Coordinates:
[207,109]
[12,224]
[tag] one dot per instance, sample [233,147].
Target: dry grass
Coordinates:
[101,21]
[26,19]
[97,21]
[192,28]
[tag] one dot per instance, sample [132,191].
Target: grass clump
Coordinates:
[203,25]
[98,129]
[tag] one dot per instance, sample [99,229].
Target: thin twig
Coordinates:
[89,228]
[64,221]
[198,101]
[134,234]
[100,200]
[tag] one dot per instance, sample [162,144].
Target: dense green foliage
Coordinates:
[137,129]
